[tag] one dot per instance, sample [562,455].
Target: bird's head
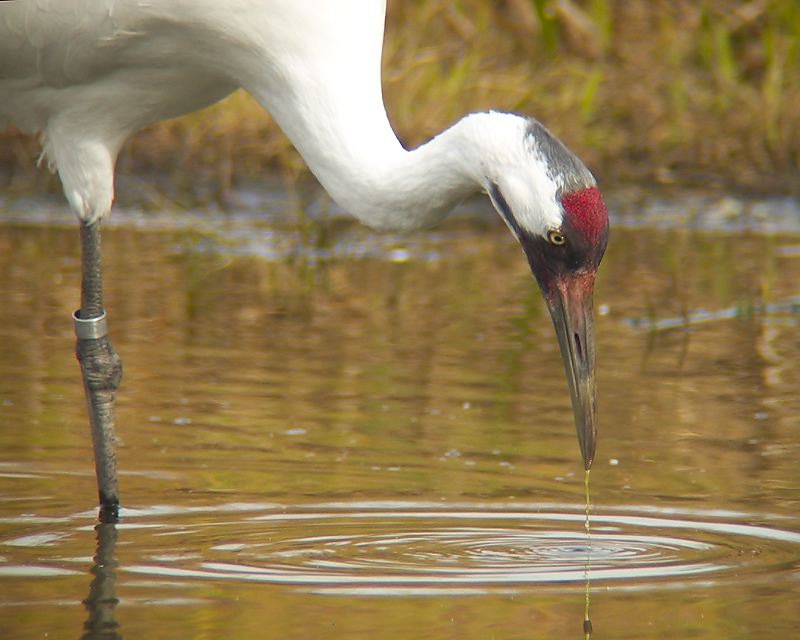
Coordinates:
[550,201]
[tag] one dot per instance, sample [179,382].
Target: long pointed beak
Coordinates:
[570,304]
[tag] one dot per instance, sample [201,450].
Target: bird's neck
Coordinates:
[351,148]
[323,88]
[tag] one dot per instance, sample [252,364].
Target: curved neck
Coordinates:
[323,88]
[346,140]
[387,187]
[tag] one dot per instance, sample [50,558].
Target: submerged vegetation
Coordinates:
[698,93]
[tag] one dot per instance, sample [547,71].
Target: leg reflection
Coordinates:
[101,602]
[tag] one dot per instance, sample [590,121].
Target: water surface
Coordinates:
[328,433]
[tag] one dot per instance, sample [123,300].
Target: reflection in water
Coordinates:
[102,600]
[739,311]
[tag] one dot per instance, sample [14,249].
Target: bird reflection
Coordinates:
[102,601]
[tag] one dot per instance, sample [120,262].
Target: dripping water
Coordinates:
[587,623]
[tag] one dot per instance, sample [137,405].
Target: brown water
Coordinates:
[353,436]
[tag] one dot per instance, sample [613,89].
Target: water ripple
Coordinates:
[385,550]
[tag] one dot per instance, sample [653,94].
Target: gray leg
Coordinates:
[102,371]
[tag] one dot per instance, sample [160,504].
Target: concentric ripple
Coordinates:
[391,548]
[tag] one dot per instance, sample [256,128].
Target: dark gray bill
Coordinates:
[570,304]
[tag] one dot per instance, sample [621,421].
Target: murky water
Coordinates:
[328,433]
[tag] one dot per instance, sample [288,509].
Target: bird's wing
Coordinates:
[56,42]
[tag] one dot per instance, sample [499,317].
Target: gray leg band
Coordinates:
[92,328]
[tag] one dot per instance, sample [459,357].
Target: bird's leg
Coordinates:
[102,371]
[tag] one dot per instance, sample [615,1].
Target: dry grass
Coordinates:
[681,92]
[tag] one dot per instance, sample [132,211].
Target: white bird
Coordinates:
[86,75]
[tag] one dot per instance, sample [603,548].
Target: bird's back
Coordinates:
[88,74]
[52,41]
[117,65]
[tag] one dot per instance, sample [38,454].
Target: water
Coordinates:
[346,435]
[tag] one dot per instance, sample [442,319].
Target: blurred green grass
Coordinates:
[689,93]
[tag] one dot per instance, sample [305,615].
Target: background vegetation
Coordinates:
[692,93]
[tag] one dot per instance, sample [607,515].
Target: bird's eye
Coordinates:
[556,237]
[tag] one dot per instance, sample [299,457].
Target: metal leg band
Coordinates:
[92,328]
